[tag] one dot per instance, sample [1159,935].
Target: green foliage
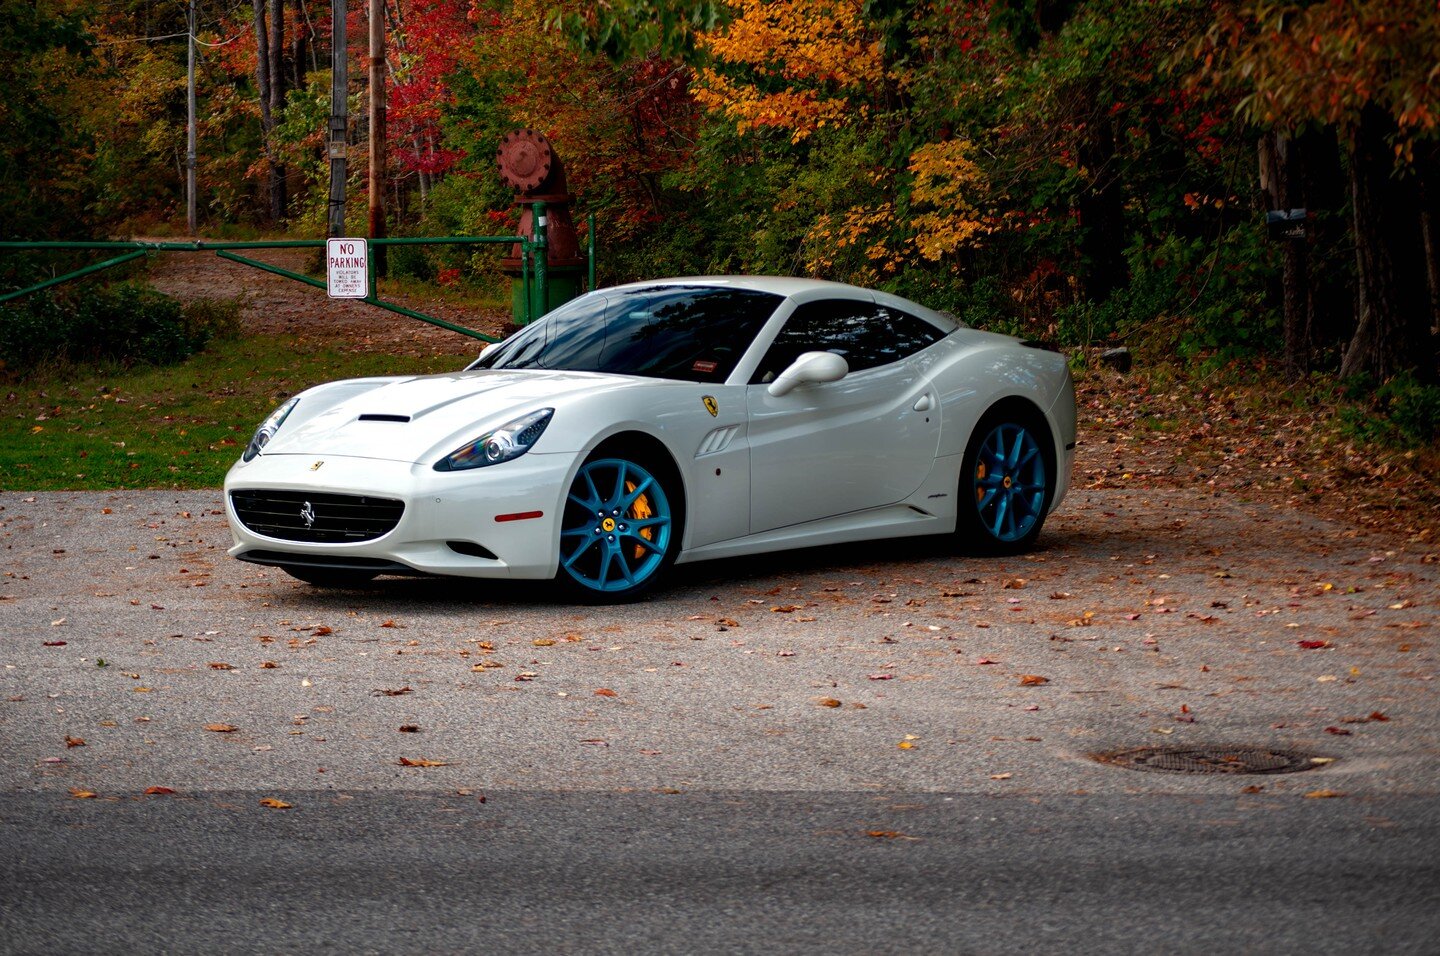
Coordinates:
[123,324]
[1401,412]
[1190,298]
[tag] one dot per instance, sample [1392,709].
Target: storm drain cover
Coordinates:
[1213,760]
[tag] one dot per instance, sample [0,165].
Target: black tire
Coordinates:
[621,527]
[331,577]
[1007,481]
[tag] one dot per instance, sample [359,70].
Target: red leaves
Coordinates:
[1314,645]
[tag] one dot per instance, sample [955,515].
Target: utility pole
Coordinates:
[339,115]
[377,131]
[190,21]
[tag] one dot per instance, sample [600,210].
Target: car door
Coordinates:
[864,441]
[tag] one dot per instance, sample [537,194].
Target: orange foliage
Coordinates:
[823,50]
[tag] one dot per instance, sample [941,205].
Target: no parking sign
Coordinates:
[345,269]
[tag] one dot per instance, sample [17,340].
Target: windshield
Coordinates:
[692,333]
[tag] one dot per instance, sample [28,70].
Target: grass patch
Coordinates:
[176,427]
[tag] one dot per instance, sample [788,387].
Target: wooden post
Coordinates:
[377,132]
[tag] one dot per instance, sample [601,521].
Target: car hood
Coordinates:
[422,419]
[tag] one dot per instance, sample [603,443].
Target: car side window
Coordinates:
[865,334]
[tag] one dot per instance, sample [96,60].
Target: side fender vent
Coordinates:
[383,418]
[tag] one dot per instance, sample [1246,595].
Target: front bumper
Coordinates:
[442,510]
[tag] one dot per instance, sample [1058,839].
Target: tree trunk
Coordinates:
[278,197]
[1393,334]
[1102,215]
[1282,181]
[1429,170]
[1326,192]
[262,89]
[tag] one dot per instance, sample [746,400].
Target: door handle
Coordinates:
[923,404]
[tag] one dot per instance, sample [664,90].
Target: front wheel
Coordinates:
[620,530]
[1007,480]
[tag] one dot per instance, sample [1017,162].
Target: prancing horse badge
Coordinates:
[711,406]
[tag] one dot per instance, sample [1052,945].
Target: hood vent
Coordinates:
[384,418]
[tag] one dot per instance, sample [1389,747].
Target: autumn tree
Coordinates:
[1366,69]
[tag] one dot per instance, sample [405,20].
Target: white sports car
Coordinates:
[664,422]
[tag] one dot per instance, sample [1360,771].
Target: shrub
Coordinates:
[126,324]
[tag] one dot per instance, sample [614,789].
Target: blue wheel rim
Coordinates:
[617,526]
[1009,482]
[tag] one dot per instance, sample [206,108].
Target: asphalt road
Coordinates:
[848,750]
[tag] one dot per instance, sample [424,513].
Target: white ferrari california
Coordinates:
[661,422]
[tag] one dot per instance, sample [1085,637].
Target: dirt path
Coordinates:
[275,305]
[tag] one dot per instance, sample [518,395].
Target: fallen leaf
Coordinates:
[905,745]
[275,804]
[1376,715]
[784,608]
[57,622]
[888,835]
[409,729]
[56,643]
[605,692]
[828,702]
[79,794]
[1033,680]
[221,728]
[384,692]
[391,623]
[1323,794]
[526,676]
[543,642]
[221,666]
[1001,776]
[1337,731]
[985,660]
[75,741]
[880,676]
[322,630]
[1253,788]
[158,791]
[268,665]
[1314,645]
[422,762]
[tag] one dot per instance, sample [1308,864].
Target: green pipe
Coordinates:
[202,246]
[73,275]
[371,299]
[401,310]
[542,256]
[525,281]
[267,267]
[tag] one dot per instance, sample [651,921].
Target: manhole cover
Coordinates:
[1213,760]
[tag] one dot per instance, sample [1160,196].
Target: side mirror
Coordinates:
[487,350]
[811,368]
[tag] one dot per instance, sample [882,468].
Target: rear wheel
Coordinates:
[620,530]
[1007,480]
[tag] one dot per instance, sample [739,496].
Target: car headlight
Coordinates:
[510,440]
[268,428]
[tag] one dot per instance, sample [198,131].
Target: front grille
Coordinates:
[315,516]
